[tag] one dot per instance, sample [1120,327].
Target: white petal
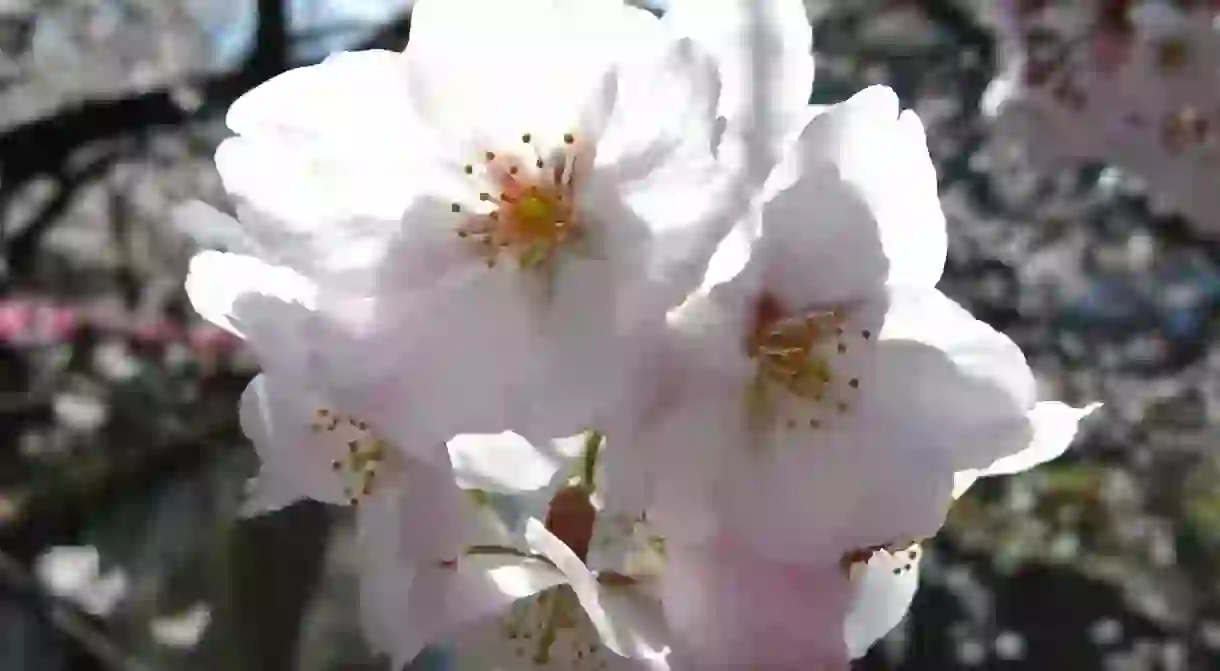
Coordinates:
[630,636]
[734,610]
[217,281]
[316,213]
[275,416]
[864,210]
[487,72]
[1054,427]
[664,111]
[974,386]
[839,488]
[447,362]
[660,202]
[504,462]
[543,634]
[883,589]
[764,53]
[409,607]
[419,516]
[351,102]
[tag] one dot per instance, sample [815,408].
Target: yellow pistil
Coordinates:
[795,356]
[534,213]
[359,455]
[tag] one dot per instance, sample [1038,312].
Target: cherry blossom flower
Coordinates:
[1131,83]
[517,199]
[519,600]
[823,398]
[314,443]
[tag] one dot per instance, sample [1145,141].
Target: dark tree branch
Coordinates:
[44,146]
[270,37]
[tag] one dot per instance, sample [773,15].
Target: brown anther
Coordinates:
[353,501]
[866,334]
[484,196]
[843,407]
[468,169]
[526,138]
[568,138]
[336,465]
[854,383]
[456,208]
[463,234]
[353,445]
[897,571]
[540,163]
[490,156]
[815,424]
[491,263]
[513,170]
[842,348]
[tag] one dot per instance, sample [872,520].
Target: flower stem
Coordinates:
[588,467]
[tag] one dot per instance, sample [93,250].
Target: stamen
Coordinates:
[797,356]
[361,455]
[534,214]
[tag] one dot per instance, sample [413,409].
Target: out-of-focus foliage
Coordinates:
[121,465]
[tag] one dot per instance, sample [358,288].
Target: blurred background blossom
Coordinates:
[121,465]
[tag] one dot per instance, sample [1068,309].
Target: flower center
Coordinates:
[796,357]
[358,456]
[526,208]
[551,631]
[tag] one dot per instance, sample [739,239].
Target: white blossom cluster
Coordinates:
[1131,83]
[613,273]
